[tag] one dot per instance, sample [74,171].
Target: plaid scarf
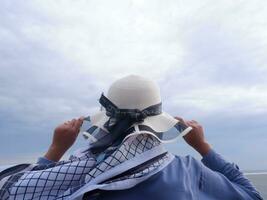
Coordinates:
[62,179]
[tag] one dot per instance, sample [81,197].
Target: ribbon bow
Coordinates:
[132,115]
[120,120]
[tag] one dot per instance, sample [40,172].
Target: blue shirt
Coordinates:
[186,178]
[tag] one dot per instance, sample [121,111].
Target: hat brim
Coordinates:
[159,123]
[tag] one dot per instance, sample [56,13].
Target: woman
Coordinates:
[126,158]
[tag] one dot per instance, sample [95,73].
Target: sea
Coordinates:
[258,178]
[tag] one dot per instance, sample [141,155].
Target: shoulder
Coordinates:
[187,162]
[184,167]
[187,166]
[182,175]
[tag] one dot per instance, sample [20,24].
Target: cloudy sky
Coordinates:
[209,58]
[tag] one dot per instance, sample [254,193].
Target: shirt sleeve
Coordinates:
[225,178]
[44,161]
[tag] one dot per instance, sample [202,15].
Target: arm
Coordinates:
[64,136]
[220,176]
[218,170]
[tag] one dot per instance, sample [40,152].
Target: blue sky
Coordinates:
[209,58]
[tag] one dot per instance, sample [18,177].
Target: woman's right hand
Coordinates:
[195,138]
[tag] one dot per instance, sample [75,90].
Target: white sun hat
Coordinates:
[139,93]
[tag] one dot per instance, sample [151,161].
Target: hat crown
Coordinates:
[134,92]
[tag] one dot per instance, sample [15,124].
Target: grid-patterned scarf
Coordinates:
[62,179]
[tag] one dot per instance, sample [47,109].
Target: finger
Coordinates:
[67,122]
[78,124]
[180,119]
[191,123]
[81,118]
[72,122]
[196,123]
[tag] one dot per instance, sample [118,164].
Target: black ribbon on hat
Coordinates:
[120,120]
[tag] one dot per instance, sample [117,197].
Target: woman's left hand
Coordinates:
[64,137]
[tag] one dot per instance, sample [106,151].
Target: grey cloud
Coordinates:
[38,84]
[53,66]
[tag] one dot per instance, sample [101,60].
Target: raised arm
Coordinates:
[219,177]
